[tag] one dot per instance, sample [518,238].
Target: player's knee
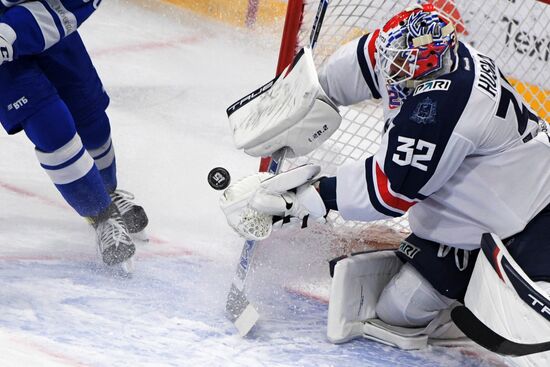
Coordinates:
[50,127]
[409,300]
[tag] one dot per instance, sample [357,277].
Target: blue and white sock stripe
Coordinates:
[68,163]
[53,20]
[104,155]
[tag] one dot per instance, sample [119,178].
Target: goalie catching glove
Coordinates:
[251,204]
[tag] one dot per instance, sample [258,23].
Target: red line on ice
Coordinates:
[60,357]
[29,194]
[147,46]
[26,193]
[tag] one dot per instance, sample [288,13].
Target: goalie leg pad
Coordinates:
[357,283]
[503,284]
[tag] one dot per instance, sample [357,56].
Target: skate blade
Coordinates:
[123,270]
[127,266]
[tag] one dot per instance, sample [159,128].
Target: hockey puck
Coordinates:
[219,178]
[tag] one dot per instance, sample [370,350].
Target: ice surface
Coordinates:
[170,76]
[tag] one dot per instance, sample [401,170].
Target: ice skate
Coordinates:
[115,245]
[133,215]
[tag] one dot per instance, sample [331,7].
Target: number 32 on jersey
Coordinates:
[413,152]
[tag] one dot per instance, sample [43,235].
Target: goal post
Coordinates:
[513,32]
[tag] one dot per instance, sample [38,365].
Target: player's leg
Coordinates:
[409,300]
[433,278]
[30,103]
[70,69]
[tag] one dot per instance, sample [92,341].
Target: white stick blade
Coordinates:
[246,321]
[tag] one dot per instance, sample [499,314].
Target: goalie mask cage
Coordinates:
[514,33]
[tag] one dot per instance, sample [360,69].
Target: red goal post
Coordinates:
[513,32]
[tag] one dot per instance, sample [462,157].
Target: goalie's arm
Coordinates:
[413,162]
[348,76]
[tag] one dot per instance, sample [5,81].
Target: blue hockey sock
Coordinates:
[95,131]
[104,158]
[61,153]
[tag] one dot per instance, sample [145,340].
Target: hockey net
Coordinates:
[513,32]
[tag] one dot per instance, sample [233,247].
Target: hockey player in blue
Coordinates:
[51,91]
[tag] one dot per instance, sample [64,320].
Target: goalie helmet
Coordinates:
[417,44]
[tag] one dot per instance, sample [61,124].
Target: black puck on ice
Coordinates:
[219,178]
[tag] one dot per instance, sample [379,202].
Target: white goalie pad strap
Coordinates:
[497,304]
[292,111]
[440,331]
[395,336]
[356,286]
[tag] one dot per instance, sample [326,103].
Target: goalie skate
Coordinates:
[115,246]
[133,215]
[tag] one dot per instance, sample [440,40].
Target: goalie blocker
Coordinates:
[291,111]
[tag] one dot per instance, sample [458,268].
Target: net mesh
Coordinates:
[512,32]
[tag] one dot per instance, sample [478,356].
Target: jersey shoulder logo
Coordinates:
[425,112]
[436,84]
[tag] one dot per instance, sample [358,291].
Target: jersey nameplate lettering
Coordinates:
[487,80]
[436,84]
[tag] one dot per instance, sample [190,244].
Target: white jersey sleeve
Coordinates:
[348,76]
[453,157]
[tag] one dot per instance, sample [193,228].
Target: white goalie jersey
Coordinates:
[462,154]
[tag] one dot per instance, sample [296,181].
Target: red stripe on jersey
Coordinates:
[389,199]
[496,252]
[371,48]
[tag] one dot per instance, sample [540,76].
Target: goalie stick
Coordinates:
[488,339]
[476,330]
[239,310]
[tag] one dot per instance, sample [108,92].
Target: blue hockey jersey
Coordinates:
[34,26]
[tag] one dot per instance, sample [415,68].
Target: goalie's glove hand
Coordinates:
[299,203]
[251,204]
